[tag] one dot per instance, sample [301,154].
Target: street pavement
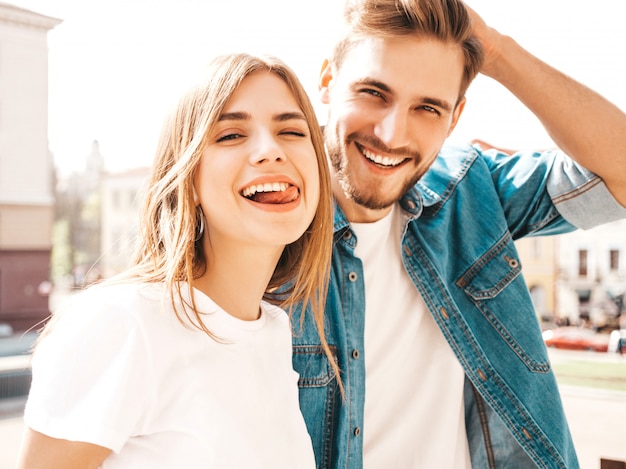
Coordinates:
[597,419]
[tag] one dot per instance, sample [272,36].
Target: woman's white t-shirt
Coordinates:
[119,370]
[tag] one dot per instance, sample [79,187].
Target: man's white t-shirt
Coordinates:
[120,371]
[414,408]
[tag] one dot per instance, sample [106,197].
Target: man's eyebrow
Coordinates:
[445,105]
[440,103]
[373,82]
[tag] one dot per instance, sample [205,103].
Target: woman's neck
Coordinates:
[236,278]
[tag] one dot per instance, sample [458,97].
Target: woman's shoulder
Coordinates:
[109,300]
[106,313]
[122,292]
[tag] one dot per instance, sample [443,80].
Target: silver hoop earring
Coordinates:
[199,223]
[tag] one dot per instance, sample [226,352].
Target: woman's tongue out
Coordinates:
[277,197]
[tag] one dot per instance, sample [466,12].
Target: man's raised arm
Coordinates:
[582,123]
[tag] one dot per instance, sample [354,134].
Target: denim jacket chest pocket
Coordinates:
[319,397]
[495,286]
[313,365]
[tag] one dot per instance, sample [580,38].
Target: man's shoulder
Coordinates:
[448,169]
[455,158]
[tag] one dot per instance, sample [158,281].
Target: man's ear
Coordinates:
[326,78]
[456,114]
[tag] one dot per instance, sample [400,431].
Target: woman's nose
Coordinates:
[268,150]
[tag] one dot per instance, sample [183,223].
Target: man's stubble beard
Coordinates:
[367,196]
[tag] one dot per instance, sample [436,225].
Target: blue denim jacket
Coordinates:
[462,219]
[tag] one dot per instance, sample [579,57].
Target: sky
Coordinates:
[116,66]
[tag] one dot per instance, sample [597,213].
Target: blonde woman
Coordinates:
[184,360]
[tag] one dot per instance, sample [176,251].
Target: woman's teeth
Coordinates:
[267,187]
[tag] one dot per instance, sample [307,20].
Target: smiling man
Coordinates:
[389,117]
[434,330]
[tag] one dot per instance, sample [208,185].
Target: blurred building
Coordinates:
[121,196]
[78,222]
[96,221]
[26,169]
[539,256]
[591,280]
[579,277]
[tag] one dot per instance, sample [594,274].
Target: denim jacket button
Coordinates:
[352,276]
[355,354]
[347,235]
[444,313]
[357,431]
[527,434]
[481,374]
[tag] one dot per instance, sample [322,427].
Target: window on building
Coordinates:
[582,262]
[614,260]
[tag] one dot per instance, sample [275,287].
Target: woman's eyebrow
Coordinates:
[235,116]
[280,117]
[286,116]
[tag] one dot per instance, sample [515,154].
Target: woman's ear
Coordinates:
[196,199]
[325,81]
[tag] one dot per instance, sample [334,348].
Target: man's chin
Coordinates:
[374,203]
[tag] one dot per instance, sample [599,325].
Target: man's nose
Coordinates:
[393,128]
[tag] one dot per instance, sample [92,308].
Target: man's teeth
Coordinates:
[382,160]
[267,187]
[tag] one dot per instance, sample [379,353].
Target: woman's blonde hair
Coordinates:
[170,250]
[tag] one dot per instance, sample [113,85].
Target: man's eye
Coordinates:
[429,109]
[372,92]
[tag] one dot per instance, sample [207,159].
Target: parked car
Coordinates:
[617,341]
[576,338]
